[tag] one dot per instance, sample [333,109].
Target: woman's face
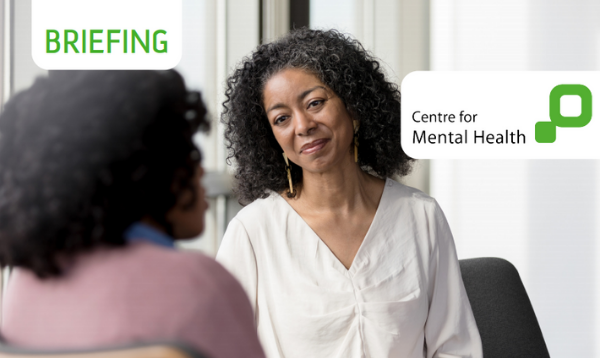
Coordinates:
[188,222]
[309,121]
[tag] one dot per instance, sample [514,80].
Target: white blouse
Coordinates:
[403,295]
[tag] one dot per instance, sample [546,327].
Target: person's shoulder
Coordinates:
[202,266]
[409,202]
[260,210]
[201,275]
[202,288]
[192,266]
[401,194]
[214,280]
[407,206]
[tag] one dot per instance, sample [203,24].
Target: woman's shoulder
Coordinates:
[407,204]
[139,261]
[192,264]
[401,194]
[262,210]
[183,278]
[163,276]
[143,289]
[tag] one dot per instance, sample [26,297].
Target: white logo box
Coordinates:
[508,106]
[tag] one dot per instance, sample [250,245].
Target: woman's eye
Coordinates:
[315,103]
[280,119]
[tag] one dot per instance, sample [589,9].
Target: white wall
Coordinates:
[540,215]
[24,70]
[4,53]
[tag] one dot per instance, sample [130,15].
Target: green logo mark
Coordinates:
[545,132]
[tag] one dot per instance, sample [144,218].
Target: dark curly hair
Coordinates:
[84,154]
[343,65]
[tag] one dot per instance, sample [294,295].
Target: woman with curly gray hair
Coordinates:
[338,259]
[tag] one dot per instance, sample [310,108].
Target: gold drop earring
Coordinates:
[356,125]
[289,175]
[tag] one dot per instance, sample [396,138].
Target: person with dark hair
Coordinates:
[338,259]
[99,176]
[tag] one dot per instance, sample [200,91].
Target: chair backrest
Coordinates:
[142,350]
[503,312]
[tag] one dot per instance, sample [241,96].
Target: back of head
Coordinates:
[83,154]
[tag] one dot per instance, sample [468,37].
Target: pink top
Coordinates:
[142,292]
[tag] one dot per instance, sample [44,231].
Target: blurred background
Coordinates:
[542,215]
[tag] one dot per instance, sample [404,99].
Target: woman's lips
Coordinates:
[313,146]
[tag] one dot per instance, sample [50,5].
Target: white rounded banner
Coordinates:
[501,115]
[106,34]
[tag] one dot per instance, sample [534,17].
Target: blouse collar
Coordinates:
[139,231]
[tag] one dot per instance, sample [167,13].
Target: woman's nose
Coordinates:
[305,124]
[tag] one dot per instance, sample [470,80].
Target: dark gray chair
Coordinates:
[141,350]
[502,310]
